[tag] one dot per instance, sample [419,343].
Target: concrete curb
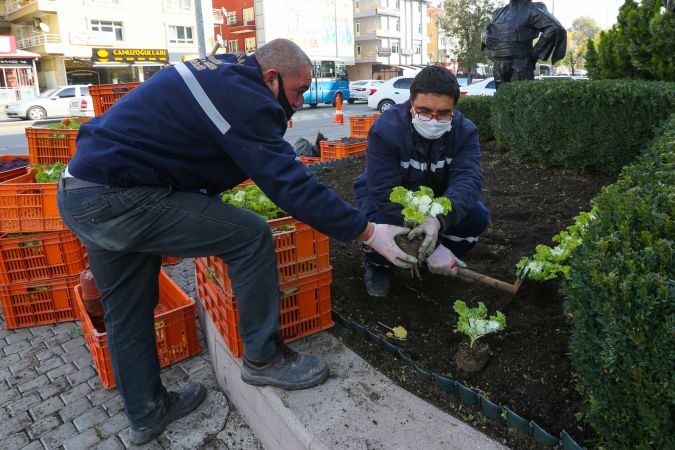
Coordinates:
[357,408]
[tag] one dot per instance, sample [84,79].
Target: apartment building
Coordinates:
[235,25]
[440,46]
[105,41]
[390,38]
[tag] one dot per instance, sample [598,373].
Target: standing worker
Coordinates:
[144,183]
[424,142]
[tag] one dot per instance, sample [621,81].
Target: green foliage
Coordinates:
[65,125]
[478,109]
[464,20]
[583,29]
[49,173]
[419,205]
[639,46]
[253,199]
[474,321]
[549,263]
[621,304]
[588,125]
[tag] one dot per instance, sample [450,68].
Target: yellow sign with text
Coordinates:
[130,55]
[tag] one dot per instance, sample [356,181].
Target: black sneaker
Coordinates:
[178,404]
[288,369]
[377,280]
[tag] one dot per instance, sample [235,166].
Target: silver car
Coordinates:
[54,102]
[360,90]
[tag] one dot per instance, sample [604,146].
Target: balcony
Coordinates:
[373,56]
[40,43]
[241,27]
[371,35]
[25,9]
[375,9]
[218,17]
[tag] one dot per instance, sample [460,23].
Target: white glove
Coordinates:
[382,241]
[443,262]
[429,228]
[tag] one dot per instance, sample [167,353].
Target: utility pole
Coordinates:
[199,18]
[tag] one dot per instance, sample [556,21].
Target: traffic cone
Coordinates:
[338,110]
[290,123]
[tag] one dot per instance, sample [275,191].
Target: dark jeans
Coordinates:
[459,239]
[125,231]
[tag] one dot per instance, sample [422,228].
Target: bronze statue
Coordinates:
[509,38]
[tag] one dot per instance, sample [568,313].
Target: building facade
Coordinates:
[440,46]
[390,38]
[235,25]
[105,41]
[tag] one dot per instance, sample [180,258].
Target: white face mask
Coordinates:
[431,129]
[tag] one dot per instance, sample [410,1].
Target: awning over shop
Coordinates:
[19,54]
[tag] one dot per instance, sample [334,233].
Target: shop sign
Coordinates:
[383,51]
[92,38]
[129,55]
[24,62]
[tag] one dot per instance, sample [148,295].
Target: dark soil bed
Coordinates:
[530,371]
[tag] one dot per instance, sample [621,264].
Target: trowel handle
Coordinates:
[489,281]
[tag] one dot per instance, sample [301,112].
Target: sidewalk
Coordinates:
[51,396]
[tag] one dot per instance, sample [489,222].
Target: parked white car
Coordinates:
[54,102]
[82,107]
[483,87]
[360,90]
[391,92]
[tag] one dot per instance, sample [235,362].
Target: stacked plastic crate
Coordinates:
[305,276]
[39,259]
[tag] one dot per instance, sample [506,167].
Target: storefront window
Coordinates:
[16,83]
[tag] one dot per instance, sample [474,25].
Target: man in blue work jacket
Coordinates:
[424,142]
[143,183]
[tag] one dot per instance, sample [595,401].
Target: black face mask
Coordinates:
[283,100]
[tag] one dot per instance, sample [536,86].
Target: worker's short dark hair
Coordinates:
[435,80]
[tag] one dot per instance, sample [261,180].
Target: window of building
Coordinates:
[233,46]
[106,26]
[179,34]
[357,26]
[398,4]
[179,5]
[418,49]
[358,50]
[398,24]
[419,7]
[249,43]
[395,48]
[419,28]
[356,4]
[105,2]
[231,17]
[248,15]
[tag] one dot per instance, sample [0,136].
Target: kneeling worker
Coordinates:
[424,142]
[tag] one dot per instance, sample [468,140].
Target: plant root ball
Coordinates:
[472,360]
[411,247]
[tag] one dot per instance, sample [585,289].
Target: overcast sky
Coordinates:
[603,11]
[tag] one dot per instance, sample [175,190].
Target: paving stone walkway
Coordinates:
[51,396]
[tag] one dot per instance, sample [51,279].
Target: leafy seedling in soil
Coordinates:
[472,357]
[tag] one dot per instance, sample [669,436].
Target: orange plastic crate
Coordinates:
[307,160]
[301,251]
[105,95]
[47,145]
[332,150]
[175,330]
[27,206]
[39,302]
[170,260]
[40,256]
[359,126]
[13,173]
[305,307]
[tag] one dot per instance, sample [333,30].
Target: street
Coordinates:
[306,123]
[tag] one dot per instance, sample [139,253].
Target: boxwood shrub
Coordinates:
[589,125]
[621,303]
[478,109]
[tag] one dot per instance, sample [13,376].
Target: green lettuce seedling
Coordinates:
[49,173]
[253,199]
[419,205]
[474,322]
[548,263]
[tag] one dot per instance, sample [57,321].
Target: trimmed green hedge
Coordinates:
[587,125]
[478,109]
[621,303]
